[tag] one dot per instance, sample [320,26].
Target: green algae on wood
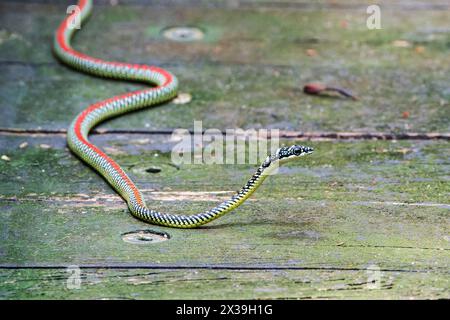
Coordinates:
[259,87]
[221,284]
[315,230]
[348,205]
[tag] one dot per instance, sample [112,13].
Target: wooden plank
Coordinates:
[350,205]
[36,234]
[408,171]
[257,76]
[221,284]
[315,230]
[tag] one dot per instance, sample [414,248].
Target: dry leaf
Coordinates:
[344,24]
[311,52]
[420,49]
[403,150]
[314,88]
[401,43]
[182,98]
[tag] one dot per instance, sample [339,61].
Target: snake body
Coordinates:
[163,88]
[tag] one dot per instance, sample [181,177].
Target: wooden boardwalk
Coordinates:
[366,216]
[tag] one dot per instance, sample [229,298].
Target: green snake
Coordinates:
[163,88]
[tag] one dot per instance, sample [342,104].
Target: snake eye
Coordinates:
[298,151]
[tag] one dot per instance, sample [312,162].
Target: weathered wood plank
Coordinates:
[312,231]
[294,4]
[221,284]
[406,171]
[350,205]
[327,236]
[258,74]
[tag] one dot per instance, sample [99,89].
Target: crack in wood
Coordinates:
[124,266]
[283,134]
[193,196]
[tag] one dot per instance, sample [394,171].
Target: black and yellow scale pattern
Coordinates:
[164,87]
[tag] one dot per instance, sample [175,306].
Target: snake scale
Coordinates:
[163,88]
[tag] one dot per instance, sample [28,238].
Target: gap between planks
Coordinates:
[208,267]
[193,196]
[283,134]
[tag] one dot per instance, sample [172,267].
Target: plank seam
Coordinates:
[313,135]
[212,267]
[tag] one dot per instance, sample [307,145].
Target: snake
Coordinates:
[163,87]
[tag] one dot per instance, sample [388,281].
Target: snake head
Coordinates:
[295,151]
[285,154]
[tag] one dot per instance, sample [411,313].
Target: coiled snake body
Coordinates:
[164,88]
